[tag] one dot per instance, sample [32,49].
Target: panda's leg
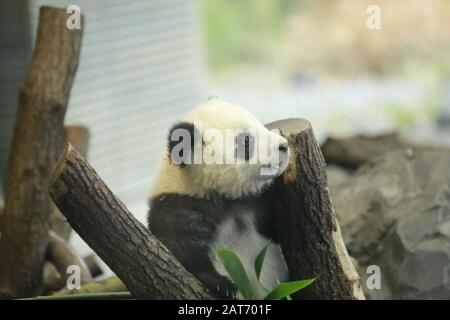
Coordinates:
[194,255]
[201,266]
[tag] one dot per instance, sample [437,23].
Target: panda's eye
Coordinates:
[244,146]
[245,139]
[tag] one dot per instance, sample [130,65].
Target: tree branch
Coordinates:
[78,136]
[309,232]
[141,261]
[62,255]
[38,136]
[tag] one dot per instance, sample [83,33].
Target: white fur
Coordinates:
[231,180]
[246,245]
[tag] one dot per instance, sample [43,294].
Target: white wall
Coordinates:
[141,68]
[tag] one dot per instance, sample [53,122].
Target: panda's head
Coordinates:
[222,148]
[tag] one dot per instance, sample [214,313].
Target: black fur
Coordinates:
[245,146]
[187,157]
[187,226]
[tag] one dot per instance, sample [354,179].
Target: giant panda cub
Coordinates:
[198,207]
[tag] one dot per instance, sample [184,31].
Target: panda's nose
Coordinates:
[283,147]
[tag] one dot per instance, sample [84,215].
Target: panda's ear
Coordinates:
[182,139]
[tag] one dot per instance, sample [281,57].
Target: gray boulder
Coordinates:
[395,213]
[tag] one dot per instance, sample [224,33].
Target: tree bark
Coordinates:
[38,136]
[143,263]
[309,233]
[52,279]
[78,136]
[62,255]
[1,216]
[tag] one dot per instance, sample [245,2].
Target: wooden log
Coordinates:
[1,216]
[92,264]
[142,262]
[309,233]
[38,136]
[51,278]
[62,255]
[78,136]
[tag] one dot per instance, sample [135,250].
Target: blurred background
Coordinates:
[144,64]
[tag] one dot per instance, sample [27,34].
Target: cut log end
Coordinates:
[309,233]
[68,148]
[78,137]
[290,126]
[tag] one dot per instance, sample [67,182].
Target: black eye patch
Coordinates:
[245,145]
[187,131]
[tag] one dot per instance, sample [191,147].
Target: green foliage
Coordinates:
[401,115]
[285,289]
[238,31]
[236,271]
[238,275]
[260,260]
[406,115]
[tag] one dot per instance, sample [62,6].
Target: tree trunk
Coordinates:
[145,265]
[78,136]
[38,136]
[309,232]
[1,216]
[52,279]
[62,255]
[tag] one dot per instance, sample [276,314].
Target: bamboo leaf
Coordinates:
[285,289]
[236,271]
[259,261]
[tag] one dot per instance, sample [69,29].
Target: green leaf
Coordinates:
[264,290]
[285,289]
[236,271]
[260,260]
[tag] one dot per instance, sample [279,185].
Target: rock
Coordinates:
[395,213]
[336,176]
[353,151]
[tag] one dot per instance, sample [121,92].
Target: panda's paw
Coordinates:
[225,290]
[218,285]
